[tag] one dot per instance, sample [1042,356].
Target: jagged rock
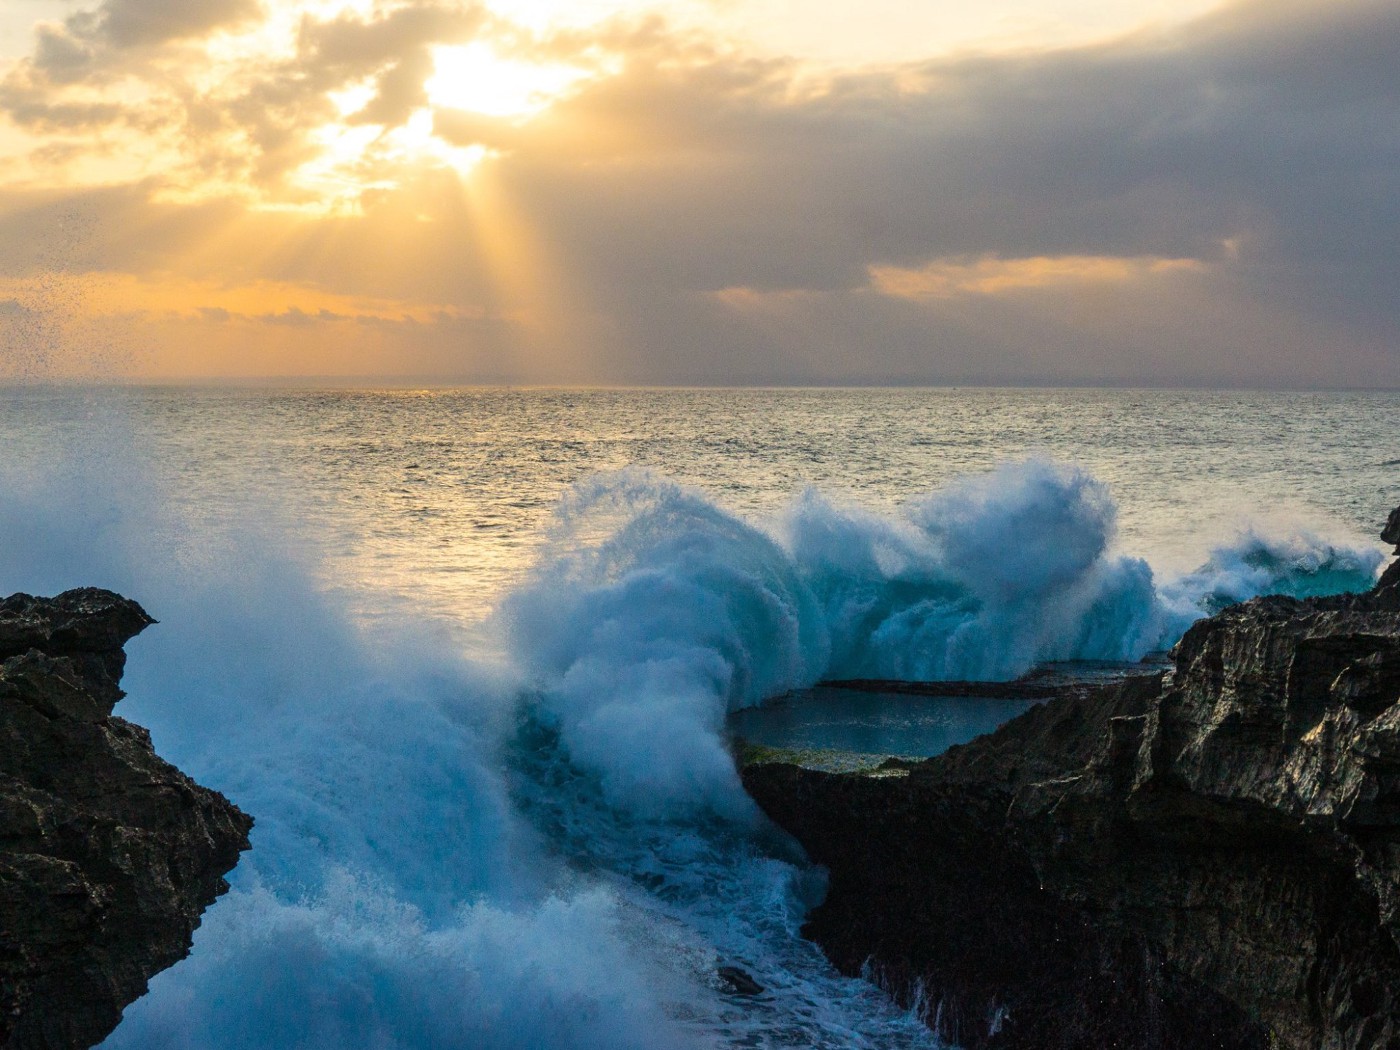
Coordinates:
[738,981]
[107,853]
[1389,584]
[1206,858]
[1391,532]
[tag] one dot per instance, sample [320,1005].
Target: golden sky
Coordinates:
[701,191]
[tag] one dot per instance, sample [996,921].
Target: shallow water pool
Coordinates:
[828,718]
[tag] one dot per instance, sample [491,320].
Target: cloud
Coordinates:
[126,24]
[1261,144]
[60,55]
[394,49]
[1216,204]
[129,23]
[988,275]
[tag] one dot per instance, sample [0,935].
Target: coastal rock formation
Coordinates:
[107,853]
[1208,857]
[1390,579]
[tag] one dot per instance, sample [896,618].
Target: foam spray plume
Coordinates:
[556,851]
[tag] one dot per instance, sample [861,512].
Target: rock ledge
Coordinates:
[108,854]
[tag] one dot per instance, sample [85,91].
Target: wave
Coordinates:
[652,612]
[1300,563]
[979,581]
[556,851]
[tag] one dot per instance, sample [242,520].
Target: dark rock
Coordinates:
[1205,858]
[1391,532]
[107,853]
[1389,584]
[738,981]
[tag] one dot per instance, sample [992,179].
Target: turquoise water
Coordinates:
[469,657]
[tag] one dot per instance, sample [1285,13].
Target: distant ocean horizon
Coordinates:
[467,654]
[428,381]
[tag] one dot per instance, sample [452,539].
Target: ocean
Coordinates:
[469,657]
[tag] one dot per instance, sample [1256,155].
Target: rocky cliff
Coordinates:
[107,853]
[1204,858]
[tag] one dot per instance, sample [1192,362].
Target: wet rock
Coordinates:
[1204,858]
[1391,532]
[107,853]
[738,981]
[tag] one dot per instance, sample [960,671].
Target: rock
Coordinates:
[738,981]
[107,853]
[87,627]
[1204,858]
[1391,532]
[1390,580]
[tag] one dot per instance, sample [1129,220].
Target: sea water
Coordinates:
[468,656]
[872,723]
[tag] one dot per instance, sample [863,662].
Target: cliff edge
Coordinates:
[108,854]
[1208,857]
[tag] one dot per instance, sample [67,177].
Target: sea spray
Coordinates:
[393,897]
[642,641]
[1297,561]
[979,581]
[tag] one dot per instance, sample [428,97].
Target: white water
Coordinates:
[526,830]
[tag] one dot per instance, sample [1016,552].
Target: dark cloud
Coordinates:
[59,55]
[96,46]
[1143,147]
[122,24]
[129,23]
[31,110]
[298,318]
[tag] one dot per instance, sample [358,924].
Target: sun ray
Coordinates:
[527,277]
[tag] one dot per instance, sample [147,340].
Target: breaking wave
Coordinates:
[652,613]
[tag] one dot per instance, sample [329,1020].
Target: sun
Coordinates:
[353,157]
[475,78]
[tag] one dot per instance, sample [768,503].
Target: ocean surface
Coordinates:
[469,658]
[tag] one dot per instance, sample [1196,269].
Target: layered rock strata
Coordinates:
[108,854]
[1208,857]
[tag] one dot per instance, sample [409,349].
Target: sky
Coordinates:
[1199,193]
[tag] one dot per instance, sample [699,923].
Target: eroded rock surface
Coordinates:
[1204,858]
[108,854]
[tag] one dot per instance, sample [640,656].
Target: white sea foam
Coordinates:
[1298,562]
[557,852]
